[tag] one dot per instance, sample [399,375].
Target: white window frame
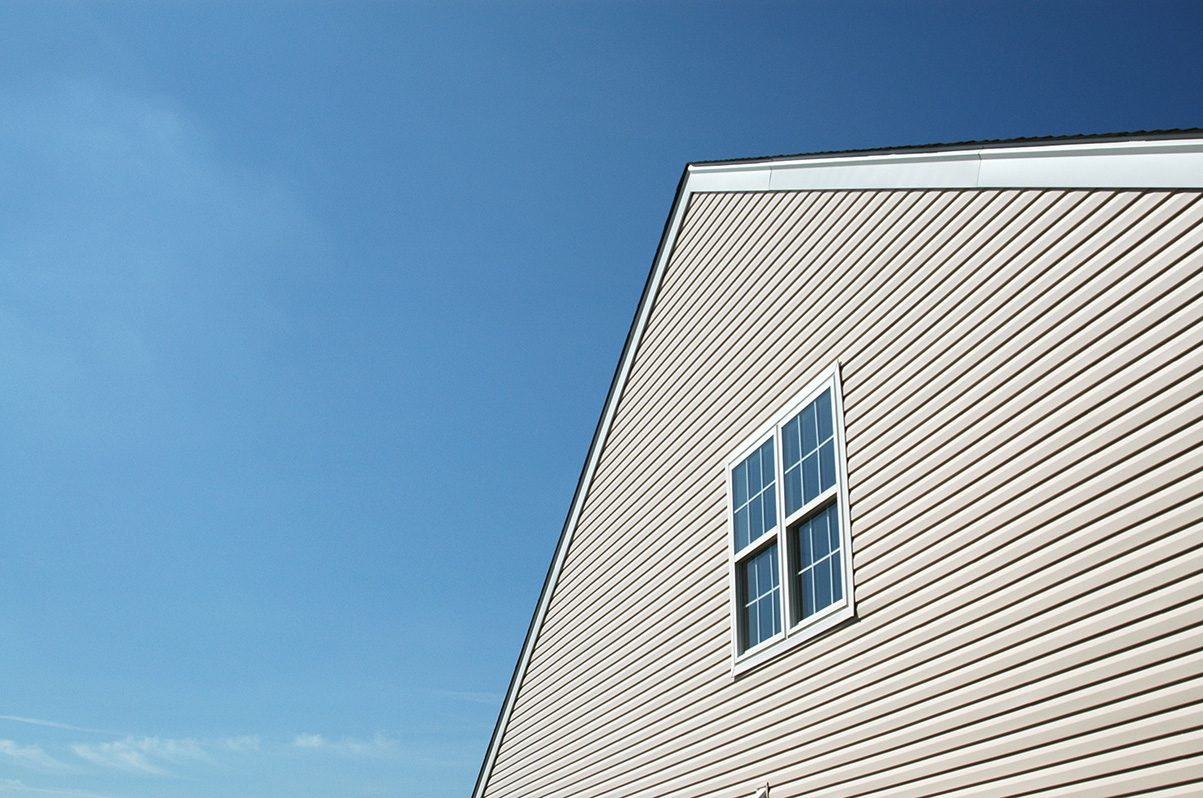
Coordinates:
[791,635]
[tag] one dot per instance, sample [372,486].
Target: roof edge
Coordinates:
[617,383]
[1164,162]
[978,144]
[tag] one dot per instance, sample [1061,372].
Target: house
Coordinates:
[898,490]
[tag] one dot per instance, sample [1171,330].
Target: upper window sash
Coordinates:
[808,452]
[754,502]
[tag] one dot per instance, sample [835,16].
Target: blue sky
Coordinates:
[307,313]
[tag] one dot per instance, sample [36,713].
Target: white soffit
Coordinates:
[1174,163]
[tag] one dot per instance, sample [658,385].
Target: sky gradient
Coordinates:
[308,311]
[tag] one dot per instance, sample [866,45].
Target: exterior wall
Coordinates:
[1021,378]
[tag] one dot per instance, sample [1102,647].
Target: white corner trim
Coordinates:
[1175,163]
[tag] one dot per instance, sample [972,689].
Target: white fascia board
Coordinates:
[1164,164]
[1176,163]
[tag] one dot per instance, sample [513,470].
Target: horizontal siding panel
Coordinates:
[653,499]
[1078,344]
[1150,409]
[922,637]
[1172,733]
[718,403]
[893,730]
[1143,766]
[1182,777]
[953,313]
[1065,274]
[1136,510]
[739,313]
[794,243]
[929,675]
[1163,705]
[717,330]
[1114,388]
[1014,338]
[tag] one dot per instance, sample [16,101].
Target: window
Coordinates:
[791,569]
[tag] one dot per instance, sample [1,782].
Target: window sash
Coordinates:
[747,571]
[824,569]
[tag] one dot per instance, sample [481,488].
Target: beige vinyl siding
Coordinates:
[1021,376]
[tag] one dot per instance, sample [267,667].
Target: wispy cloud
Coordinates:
[246,743]
[377,747]
[53,724]
[309,741]
[145,755]
[28,755]
[13,785]
[154,756]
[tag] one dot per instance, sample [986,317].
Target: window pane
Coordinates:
[754,483]
[827,465]
[761,595]
[805,534]
[822,584]
[754,496]
[816,562]
[809,439]
[768,620]
[820,543]
[793,489]
[833,525]
[823,415]
[791,443]
[739,484]
[743,535]
[807,591]
[766,462]
[810,477]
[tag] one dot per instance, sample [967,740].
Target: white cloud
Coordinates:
[145,755]
[309,741]
[246,743]
[377,747]
[28,755]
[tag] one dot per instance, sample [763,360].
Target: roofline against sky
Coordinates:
[972,144]
[1147,160]
[1156,161]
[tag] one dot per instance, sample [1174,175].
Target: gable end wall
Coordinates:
[1021,385]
